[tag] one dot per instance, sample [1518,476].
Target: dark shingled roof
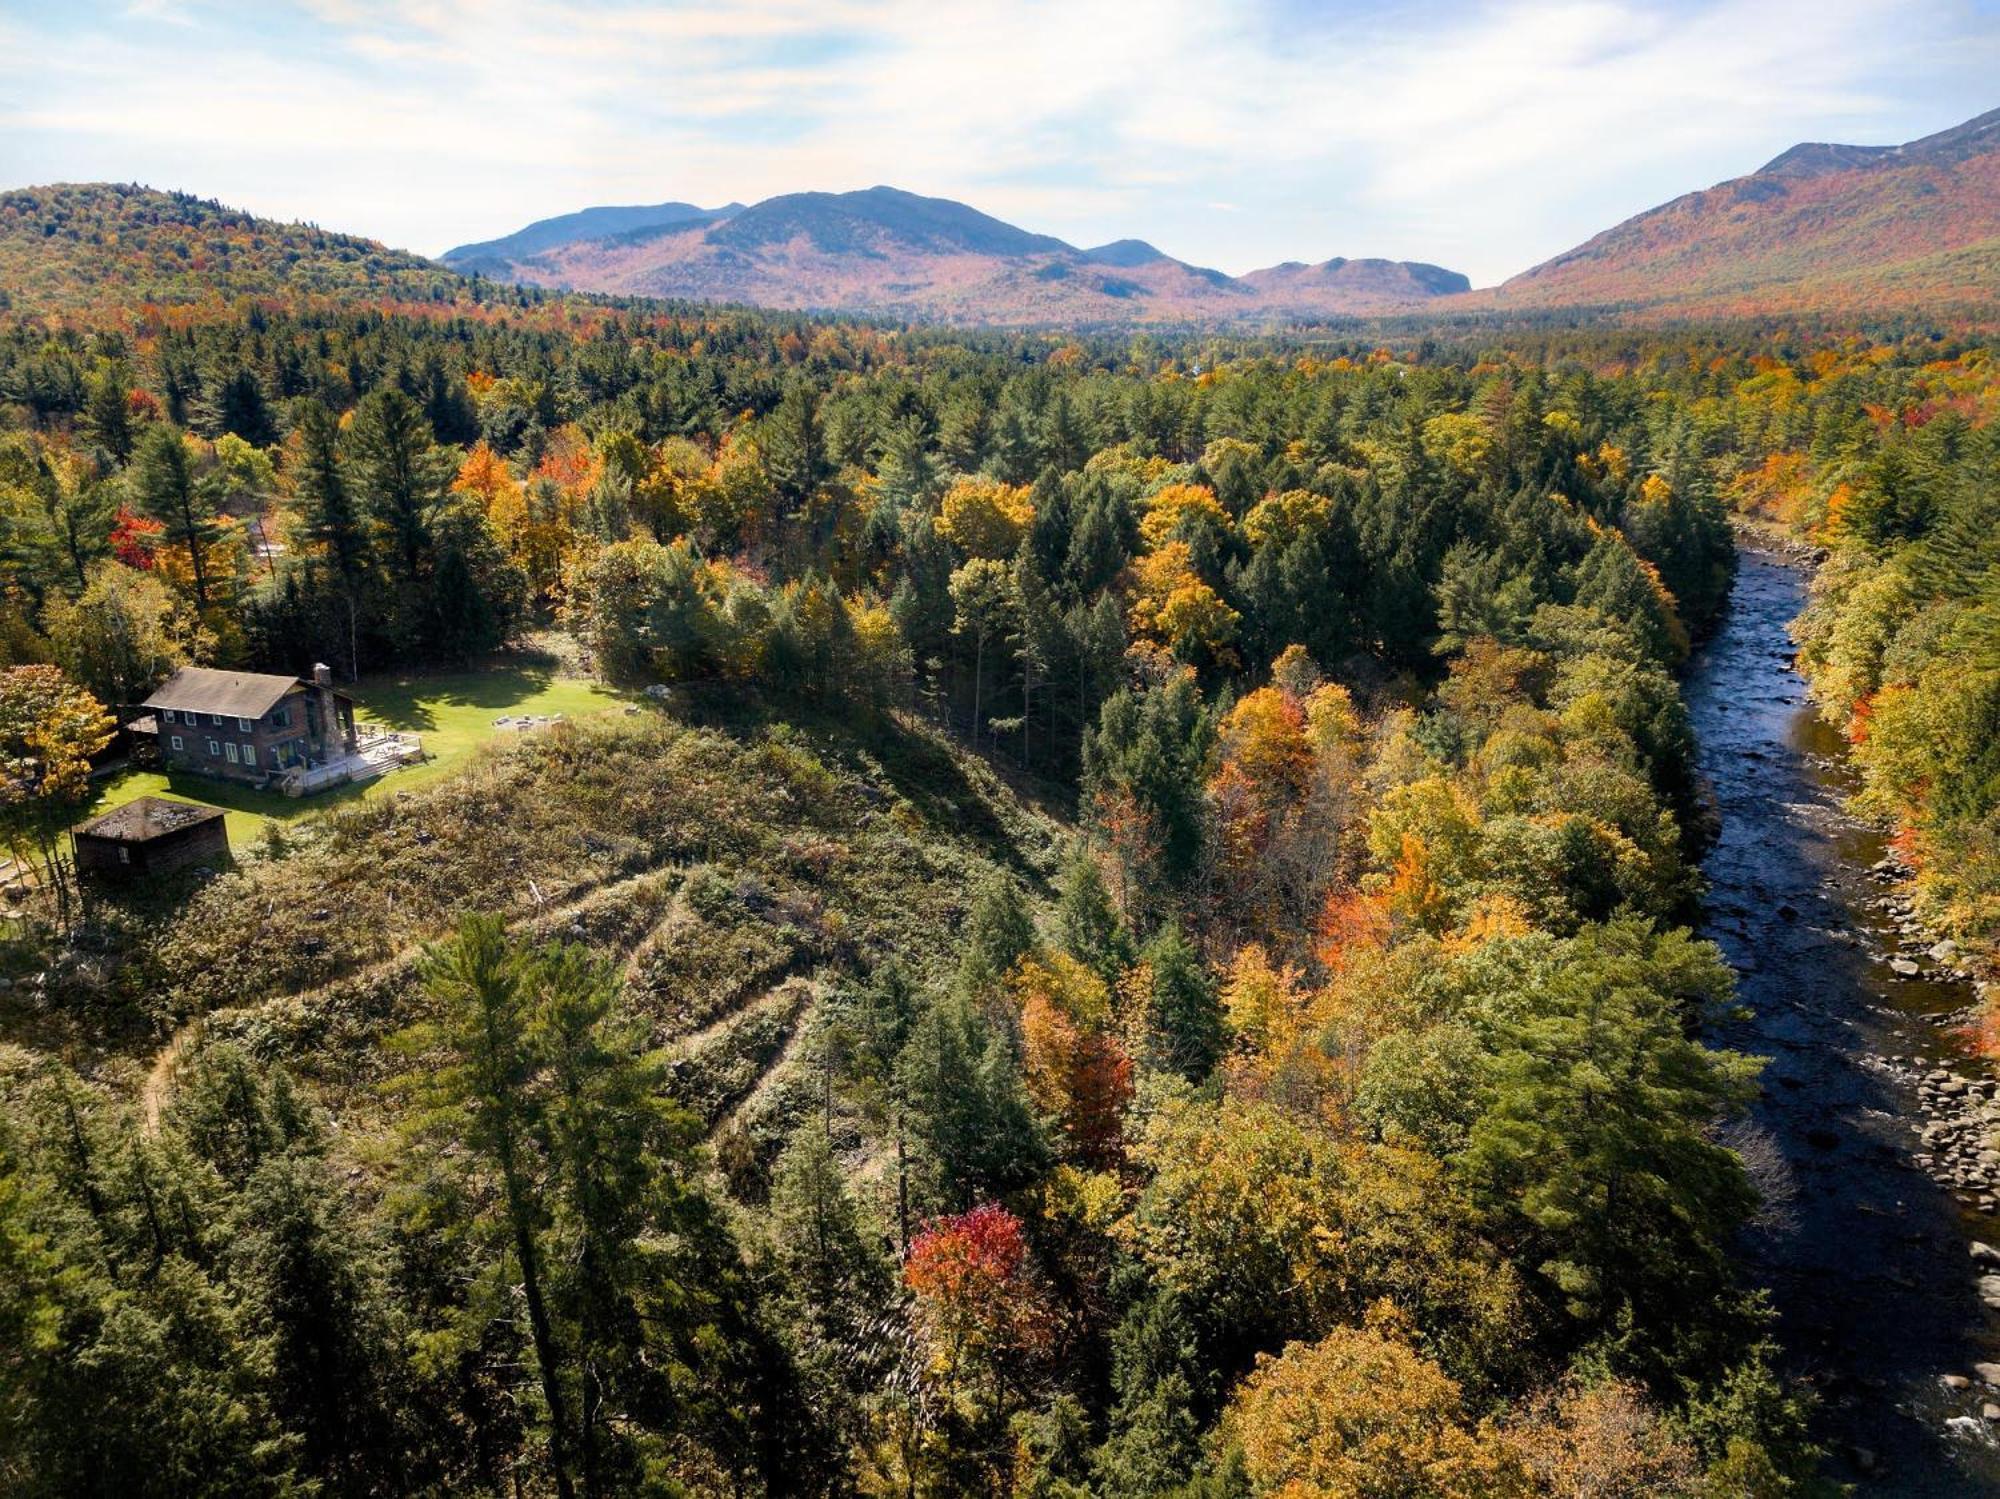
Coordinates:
[147,818]
[234,694]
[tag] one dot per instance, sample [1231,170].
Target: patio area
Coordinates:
[377,751]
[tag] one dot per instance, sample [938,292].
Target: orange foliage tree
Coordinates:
[1078,1070]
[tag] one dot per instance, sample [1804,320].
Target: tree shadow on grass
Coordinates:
[273,805]
[409,704]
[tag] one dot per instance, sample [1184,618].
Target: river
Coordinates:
[1866,1257]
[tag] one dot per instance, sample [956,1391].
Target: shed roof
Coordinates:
[147,818]
[234,694]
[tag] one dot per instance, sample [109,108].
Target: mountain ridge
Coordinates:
[883,250]
[1819,228]
[607,222]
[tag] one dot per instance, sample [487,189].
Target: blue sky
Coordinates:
[1482,136]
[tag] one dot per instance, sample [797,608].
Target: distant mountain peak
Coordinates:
[1412,281]
[850,222]
[886,250]
[1125,252]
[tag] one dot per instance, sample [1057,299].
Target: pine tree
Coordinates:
[478,1091]
[166,488]
[1088,925]
[972,1132]
[400,476]
[999,931]
[794,448]
[1161,1389]
[328,1329]
[328,516]
[108,416]
[1184,1025]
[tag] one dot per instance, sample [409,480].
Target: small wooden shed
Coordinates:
[150,837]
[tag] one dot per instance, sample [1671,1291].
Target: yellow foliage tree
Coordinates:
[985,518]
[1178,510]
[1362,1415]
[1076,1067]
[486,477]
[1172,606]
[1286,516]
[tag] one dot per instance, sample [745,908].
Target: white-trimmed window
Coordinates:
[243,724]
[166,715]
[249,754]
[216,719]
[214,748]
[229,748]
[176,741]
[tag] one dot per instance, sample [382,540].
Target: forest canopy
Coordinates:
[1146,952]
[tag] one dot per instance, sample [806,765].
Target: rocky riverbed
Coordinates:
[1875,1140]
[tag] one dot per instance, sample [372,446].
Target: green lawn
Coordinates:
[453,713]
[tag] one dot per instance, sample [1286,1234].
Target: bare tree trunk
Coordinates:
[978,680]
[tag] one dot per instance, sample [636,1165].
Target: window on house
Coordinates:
[216,719]
[166,715]
[249,754]
[176,742]
[124,854]
[214,748]
[243,724]
[281,717]
[230,750]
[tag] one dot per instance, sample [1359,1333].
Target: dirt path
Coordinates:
[154,1092]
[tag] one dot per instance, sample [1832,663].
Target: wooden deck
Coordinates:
[377,752]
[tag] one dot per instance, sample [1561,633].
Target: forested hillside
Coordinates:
[104,249]
[1143,950]
[1820,230]
[1902,640]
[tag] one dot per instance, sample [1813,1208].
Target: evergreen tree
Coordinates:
[1161,1391]
[972,1131]
[329,519]
[477,1091]
[999,932]
[794,448]
[165,488]
[1185,1032]
[108,415]
[328,1329]
[1088,925]
[400,476]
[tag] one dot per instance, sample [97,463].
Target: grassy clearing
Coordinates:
[740,874]
[453,712]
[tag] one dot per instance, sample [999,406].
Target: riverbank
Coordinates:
[1865,1248]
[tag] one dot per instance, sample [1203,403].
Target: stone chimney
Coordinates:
[329,710]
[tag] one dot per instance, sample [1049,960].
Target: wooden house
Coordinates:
[249,726]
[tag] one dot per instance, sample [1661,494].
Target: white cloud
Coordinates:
[1483,138]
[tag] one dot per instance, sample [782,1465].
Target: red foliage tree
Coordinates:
[133,538]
